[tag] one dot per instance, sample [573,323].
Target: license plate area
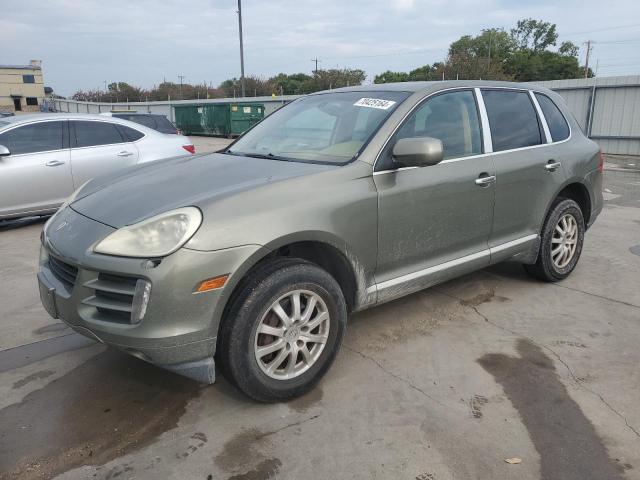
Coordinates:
[48,299]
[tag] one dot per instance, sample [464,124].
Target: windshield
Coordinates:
[324,128]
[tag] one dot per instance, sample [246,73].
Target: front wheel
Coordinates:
[561,242]
[283,330]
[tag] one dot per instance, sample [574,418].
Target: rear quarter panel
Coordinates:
[158,146]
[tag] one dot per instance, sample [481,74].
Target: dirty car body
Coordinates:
[396,188]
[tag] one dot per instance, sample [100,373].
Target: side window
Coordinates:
[89,134]
[450,117]
[131,133]
[512,118]
[37,137]
[555,120]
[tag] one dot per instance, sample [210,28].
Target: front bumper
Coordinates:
[91,293]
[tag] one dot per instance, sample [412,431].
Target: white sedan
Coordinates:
[45,157]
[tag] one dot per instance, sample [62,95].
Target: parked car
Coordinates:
[337,202]
[45,157]
[6,114]
[159,123]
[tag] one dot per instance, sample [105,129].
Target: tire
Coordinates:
[239,348]
[551,265]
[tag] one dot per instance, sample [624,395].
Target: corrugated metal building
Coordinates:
[607,109]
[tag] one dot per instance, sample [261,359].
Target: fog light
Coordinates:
[140,300]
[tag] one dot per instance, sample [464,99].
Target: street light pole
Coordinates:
[241,47]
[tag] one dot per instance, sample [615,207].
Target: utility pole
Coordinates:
[241,47]
[181,77]
[586,62]
[489,60]
[315,72]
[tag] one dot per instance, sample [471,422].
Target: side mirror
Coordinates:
[4,151]
[418,152]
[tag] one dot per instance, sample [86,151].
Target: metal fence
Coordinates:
[607,108]
[166,108]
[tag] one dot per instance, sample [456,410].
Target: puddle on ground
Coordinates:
[567,442]
[105,408]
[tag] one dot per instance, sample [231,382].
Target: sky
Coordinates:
[84,43]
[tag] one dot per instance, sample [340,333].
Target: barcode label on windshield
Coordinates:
[374,103]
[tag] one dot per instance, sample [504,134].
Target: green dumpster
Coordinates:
[218,119]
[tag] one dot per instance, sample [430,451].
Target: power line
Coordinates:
[614,27]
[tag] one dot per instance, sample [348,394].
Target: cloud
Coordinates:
[84,43]
[403,4]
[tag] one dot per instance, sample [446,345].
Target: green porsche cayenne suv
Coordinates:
[252,258]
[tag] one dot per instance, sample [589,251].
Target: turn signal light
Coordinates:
[189,148]
[212,283]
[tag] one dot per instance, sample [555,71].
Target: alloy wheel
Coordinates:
[564,241]
[292,334]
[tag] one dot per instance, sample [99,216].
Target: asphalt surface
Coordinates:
[445,384]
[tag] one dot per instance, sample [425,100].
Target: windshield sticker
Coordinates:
[375,103]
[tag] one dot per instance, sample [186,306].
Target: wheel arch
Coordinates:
[579,193]
[321,248]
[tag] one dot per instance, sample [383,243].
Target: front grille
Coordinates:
[63,271]
[112,298]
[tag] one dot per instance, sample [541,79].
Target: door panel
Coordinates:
[524,189]
[431,215]
[99,149]
[526,177]
[37,175]
[430,218]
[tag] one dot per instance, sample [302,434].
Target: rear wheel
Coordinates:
[283,330]
[561,242]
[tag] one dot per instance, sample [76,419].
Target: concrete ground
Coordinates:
[445,384]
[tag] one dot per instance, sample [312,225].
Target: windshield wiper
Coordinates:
[267,156]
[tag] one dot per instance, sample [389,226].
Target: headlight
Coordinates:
[155,237]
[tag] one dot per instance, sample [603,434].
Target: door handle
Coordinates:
[54,163]
[124,153]
[552,166]
[486,180]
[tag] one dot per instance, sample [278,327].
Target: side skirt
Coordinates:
[524,250]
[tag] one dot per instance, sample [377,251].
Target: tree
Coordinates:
[533,60]
[294,84]
[493,43]
[254,86]
[335,78]
[534,35]
[391,77]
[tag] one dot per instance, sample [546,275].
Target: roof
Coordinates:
[21,67]
[19,119]
[433,86]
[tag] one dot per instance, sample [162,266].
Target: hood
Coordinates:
[132,195]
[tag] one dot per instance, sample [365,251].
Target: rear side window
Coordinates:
[163,125]
[89,134]
[130,133]
[37,137]
[512,118]
[556,122]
